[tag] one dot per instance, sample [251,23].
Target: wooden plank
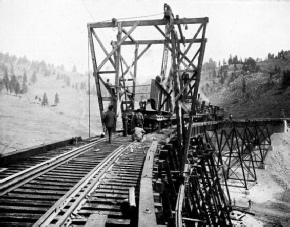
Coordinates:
[107,99]
[160,41]
[117,46]
[149,22]
[186,70]
[11,208]
[132,201]
[146,215]
[32,196]
[106,72]
[96,220]
[121,79]
[24,202]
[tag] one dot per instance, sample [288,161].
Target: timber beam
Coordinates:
[149,22]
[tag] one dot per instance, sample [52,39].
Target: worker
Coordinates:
[167,12]
[139,119]
[111,86]
[231,117]
[110,121]
[282,113]
[250,203]
[138,133]
[143,103]
[158,79]
[129,93]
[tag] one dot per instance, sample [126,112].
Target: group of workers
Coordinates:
[113,90]
[110,120]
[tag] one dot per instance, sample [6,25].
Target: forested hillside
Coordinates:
[41,103]
[250,87]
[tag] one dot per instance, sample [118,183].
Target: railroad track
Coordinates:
[106,195]
[34,188]
[34,160]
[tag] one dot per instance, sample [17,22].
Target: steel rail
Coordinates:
[10,183]
[83,189]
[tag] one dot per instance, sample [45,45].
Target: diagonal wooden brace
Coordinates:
[139,56]
[103,48]
[117,46]
[189,46]
[168,97]
[184,87]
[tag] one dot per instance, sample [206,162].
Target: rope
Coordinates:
[87,10]
[89,82]
[133,17]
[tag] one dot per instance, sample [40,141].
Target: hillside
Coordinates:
[250,94]
[26,122]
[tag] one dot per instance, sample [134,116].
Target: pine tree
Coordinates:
[12,84]
[24,89]
[33,78]
[74,69]
[44,100]
[56,99]
[12,69]
[244,87]
[17,88]
[230,61]
[213,73]
[1,85]
[6,79]
[285,83]
[24,77]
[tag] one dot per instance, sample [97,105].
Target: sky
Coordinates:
[56,30]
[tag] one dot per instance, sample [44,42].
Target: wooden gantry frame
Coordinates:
[172,37]
[223,147]
[181,87]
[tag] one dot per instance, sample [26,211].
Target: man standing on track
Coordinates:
[110,121]
[139,119]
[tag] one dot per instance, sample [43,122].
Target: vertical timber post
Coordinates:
[194,98]
[117,62]
[135,73]
[177,108]
[96,76]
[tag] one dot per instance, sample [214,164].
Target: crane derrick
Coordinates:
[108,63]
[175,96]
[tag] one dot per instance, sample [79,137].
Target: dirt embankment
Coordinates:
[271,194]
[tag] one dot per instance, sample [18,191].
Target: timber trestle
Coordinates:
[221,155]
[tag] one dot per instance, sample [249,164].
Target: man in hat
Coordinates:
[139,119]
[110,121]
